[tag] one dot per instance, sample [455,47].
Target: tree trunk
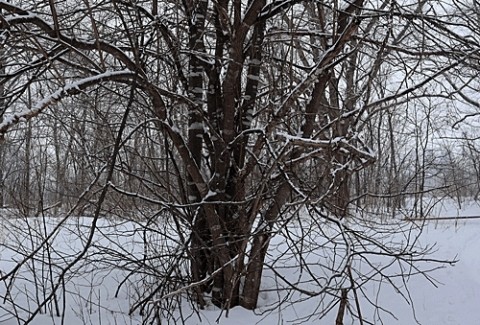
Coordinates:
[342,307]
[259,248]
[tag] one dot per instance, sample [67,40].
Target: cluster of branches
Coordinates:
[222,118]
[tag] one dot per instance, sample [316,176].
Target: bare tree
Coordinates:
[225,119]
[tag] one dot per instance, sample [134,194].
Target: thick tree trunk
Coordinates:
[201,260]
[259,248]
[202,263]
[253,277]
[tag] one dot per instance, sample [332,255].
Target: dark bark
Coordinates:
[342,306]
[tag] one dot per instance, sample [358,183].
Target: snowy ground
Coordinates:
[453,298]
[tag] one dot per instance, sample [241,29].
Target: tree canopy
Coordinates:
[233,122]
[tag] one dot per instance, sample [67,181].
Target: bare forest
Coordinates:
[230,137]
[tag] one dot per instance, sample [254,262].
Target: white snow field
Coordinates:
[450,294]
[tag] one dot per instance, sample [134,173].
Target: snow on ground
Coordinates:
[453,299]
[457,298]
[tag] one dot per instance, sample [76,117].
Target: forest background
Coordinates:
[219,130]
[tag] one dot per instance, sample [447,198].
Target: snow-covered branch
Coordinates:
[71,89]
